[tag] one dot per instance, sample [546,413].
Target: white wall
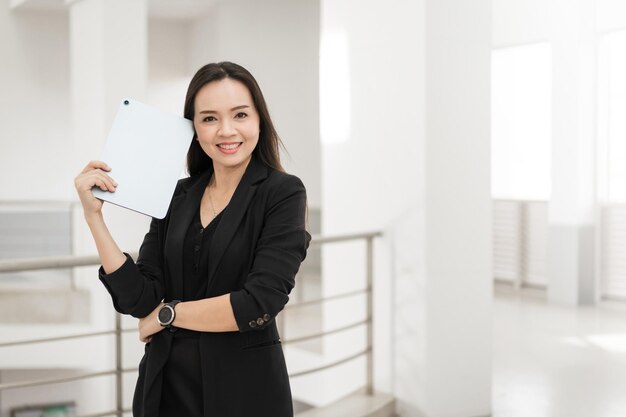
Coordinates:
[169,73]
[519,22]
[35,129]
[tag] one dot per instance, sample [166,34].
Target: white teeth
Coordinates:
[231,146]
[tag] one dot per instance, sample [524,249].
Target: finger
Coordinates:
[109,183]
[105,175]
[104,185]
[96,165]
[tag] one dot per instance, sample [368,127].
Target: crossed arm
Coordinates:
[213,314]
[138,288]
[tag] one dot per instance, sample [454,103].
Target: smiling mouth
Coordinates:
[230,146]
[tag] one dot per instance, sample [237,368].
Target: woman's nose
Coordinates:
[227,129]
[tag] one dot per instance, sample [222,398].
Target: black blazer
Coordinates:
[256,251]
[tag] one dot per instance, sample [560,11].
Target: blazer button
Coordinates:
[266,317]
[259,321]
[252,324]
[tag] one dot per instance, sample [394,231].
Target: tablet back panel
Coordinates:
[146,150]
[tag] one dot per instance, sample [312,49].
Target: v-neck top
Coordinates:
[196,257]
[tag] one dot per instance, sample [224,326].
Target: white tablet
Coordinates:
[146,150]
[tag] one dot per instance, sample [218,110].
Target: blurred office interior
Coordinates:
[466,187]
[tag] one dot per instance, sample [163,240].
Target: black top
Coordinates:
[196,257]
[196,263]
[182,375]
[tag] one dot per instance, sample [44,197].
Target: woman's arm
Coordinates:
[136,288]
[95,175]
[213,314]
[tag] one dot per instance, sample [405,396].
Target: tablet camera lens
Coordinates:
[126,102]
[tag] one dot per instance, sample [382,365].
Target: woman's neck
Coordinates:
[226,179]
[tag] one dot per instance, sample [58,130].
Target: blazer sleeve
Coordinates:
[280,250]
[138,287]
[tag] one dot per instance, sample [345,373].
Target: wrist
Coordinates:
[93,218]
[167,314]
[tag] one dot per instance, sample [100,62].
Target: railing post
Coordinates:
[281,324]
[119,399]
[521,250]
[370,314]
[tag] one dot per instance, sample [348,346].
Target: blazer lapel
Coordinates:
[233,214]
[184,206]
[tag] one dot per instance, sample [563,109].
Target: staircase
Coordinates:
[357,404]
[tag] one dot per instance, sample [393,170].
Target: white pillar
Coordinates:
[108,61]
[108,53]
[413,159]
[571,211]
[457,278]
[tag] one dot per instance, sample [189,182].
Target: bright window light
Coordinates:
[521,112]
[335,109]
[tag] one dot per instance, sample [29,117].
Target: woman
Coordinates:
[212,275]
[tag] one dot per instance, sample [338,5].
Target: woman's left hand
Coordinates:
[149,325]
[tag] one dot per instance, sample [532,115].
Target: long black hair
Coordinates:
[267,149]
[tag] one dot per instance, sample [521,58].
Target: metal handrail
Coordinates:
[70,261]
[324,299]
[49,381]
[30,264]
[134,330]
[366,351]
[57,338]
[317,239]
[51,262]
[327,332]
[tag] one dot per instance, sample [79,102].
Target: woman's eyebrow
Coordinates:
[244,106]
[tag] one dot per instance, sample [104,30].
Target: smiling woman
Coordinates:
[214,273]
[227,123]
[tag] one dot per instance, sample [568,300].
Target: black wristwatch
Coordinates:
[167,314]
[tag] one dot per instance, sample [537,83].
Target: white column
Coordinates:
[410,154]
[108,52]
[457,277]
[108,61]
[571,211]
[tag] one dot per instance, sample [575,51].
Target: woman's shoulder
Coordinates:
[280,180]
[185,183]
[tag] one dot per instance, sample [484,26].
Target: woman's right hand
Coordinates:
[94,175]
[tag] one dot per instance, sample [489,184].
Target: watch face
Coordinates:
[165,315]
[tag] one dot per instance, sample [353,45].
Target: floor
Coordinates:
[558,361]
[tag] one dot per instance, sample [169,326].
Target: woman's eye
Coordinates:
[241,115]
[208,119]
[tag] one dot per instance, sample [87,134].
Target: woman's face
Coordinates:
[226,122]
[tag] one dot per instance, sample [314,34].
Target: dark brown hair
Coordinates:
[266,150]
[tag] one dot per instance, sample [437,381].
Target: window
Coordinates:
[521,101]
